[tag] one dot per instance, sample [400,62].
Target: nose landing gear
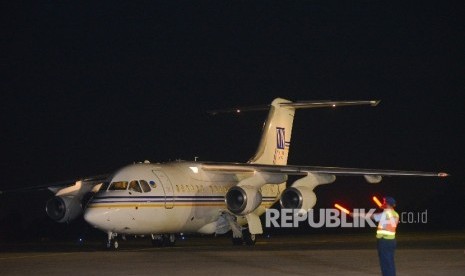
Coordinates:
[112,242]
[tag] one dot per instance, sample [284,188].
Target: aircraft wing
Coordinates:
[303,170]
[91,180]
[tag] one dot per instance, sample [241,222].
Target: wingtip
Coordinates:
[443,174]
[375,102]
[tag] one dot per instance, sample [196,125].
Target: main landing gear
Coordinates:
[246,238]
[163,240]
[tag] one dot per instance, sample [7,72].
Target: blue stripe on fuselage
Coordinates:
[184,199]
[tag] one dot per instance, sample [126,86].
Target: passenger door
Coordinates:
[167,188]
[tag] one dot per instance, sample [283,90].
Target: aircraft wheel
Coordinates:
[169,240]
[157,240]
[248,238]
[111,244]
[108,244]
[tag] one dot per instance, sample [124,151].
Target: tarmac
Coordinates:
[315,254]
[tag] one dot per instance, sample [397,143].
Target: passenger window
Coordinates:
[119,185]
[134,186]
[145,186]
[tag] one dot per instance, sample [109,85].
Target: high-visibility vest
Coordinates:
[387,225]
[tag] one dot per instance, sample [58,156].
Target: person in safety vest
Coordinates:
[386,236]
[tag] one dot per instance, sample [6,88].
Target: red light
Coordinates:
[342,208]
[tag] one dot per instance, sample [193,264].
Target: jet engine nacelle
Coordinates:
[298,198]
[242,200]
[68,202]
[63,209]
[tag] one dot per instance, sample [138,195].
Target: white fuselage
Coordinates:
[182,198]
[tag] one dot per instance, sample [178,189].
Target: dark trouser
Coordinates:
[386,250]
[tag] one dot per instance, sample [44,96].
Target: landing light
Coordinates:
[194,169]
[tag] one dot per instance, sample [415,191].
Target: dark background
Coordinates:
[88,87]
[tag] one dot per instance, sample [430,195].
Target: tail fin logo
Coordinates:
[280,138]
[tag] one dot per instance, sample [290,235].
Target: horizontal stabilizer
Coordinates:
[318,104]
[295,105]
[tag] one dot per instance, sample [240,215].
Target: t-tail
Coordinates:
[277,133]
[275,142]
[276,137]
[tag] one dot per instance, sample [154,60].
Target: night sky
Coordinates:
[89,87]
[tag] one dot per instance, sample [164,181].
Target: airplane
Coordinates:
[161,200]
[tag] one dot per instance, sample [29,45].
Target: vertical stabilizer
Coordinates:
[276,136]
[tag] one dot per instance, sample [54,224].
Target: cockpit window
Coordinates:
[104,186]
[134,186]
[118,185]
[145,186]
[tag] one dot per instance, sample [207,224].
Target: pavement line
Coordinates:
[37,256]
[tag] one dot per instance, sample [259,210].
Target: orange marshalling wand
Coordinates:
[342,208]
[376,200]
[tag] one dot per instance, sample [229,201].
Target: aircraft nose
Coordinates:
[94,217]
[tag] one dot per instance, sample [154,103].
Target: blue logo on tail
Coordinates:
[280,138]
